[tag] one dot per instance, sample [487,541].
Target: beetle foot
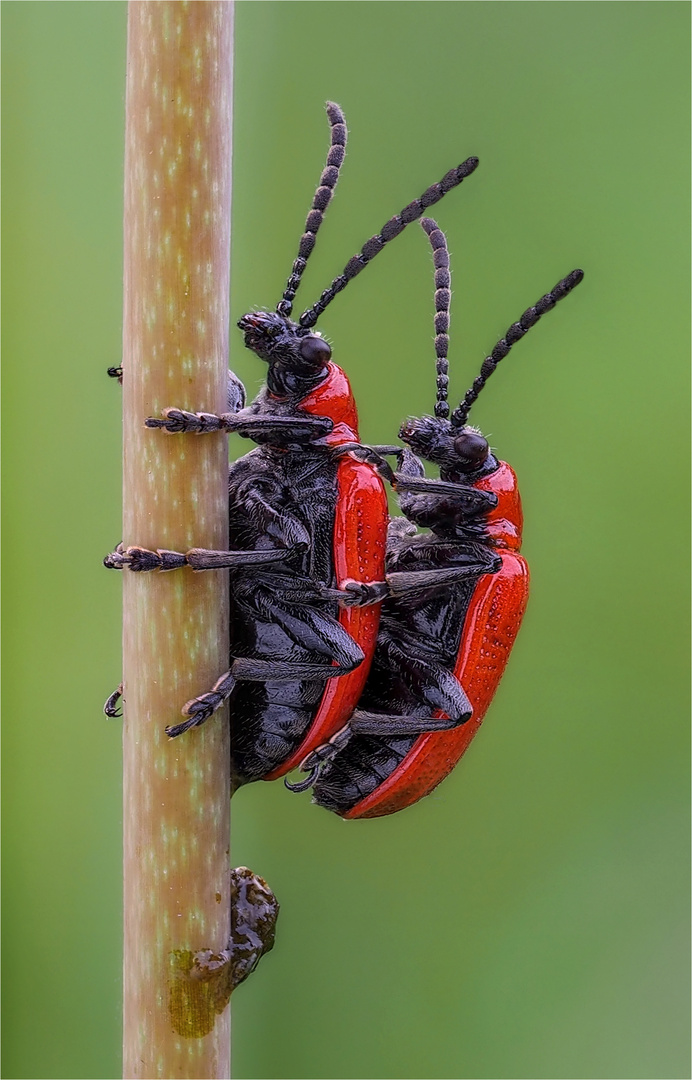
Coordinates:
[111,706]
[199,709]
[140,560]
[176,421]
[115,560]
[361,593]
[198,712]
[315,761]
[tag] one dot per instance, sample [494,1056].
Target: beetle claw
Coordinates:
[303,785]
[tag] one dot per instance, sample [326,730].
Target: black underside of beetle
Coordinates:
[279,499]
[428,628]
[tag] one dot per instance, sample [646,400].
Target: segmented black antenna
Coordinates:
[443,296]
[514,334]
[322,199]
[391,229]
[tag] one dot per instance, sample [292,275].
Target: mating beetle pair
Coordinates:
[456,598]
[308,528]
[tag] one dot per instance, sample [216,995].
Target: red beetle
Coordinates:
[303,626]
[358,556]
[457,595]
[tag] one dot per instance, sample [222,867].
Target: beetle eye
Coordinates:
[315,351]
[472,450]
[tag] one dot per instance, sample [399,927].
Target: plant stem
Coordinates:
[175,635]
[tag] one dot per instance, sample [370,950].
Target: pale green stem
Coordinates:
[175,639]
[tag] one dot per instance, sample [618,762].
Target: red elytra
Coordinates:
[358,552]
[490,628]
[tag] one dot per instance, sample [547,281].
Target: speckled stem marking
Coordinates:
[176,794]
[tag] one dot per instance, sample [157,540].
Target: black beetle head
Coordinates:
[458,451]
[297,357]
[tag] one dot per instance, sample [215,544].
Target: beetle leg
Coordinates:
[115,560]
[388,450]
[471,498]
[390,726]
[408,582]
[364,723]
[313,630]
[358,593]
[271,429]
[246,669]
[177,421]
[140,559]
[317,758]
[432,683]
[280,430]
[283,527]
[370,456]
[111,708]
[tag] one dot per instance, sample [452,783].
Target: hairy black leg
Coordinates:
[320,202]
[286,529]
[382,725]
[177,421]
[246,669]
[427,679]
[317,758]
[311,629]
[312,768]
[278,430]
[140,559]
[387,449]
[390,229]
[369,455]
[111,706]
[440,506]
[388,725]
[199,709]
[485,501]
[409,582]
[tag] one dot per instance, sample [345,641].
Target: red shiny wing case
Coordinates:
[360,529]
[492,623]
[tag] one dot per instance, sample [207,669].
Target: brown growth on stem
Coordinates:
[175,640]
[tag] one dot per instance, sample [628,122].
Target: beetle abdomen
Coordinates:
[363,764]
[360,530]
[490,629]
[270,730]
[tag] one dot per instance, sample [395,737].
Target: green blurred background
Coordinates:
[529,919]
